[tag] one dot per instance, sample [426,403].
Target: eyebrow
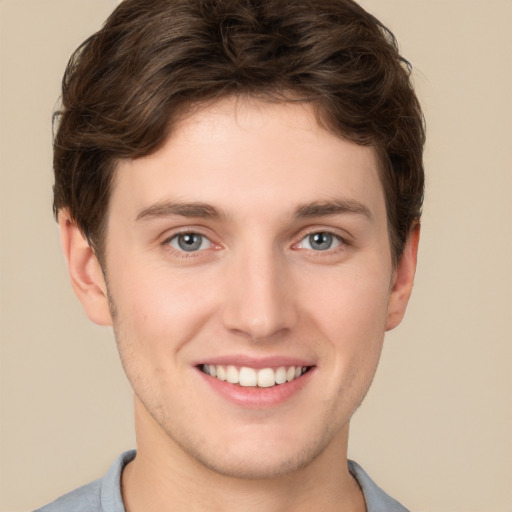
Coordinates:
[335,207]
[167,209]
[205,210]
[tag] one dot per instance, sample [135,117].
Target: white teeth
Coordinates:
[232,375]
[281,375]
[221,373]
[247,377]
[266,378]
[250,377]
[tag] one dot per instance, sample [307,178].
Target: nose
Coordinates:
[259,302]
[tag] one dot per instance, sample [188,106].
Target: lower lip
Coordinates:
[255,397]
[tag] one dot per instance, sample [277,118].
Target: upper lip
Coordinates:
[254,362]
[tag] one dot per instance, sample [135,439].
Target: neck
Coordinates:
[163,477]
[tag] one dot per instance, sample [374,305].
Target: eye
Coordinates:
[189,242]
[320,241]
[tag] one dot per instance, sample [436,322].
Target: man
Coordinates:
[238,186]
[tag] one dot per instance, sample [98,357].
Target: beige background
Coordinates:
[436,427]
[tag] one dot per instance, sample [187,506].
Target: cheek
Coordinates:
[351,305]
[159,310]
[351,315]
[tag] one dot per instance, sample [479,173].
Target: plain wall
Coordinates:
[435,430]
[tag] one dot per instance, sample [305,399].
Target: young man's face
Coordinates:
[253,244]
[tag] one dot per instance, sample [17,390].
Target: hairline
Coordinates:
[272,95]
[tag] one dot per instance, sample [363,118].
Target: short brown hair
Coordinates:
[126,86]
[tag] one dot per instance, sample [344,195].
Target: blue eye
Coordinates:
[320,241]
[189,242]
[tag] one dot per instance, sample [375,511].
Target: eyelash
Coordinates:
[182,253]
[336,238]
[340,241]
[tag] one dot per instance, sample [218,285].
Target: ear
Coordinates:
[85,271]
[403,279]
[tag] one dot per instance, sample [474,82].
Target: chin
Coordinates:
[262,458]
[259,466]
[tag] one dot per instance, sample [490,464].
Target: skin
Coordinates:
[256,287]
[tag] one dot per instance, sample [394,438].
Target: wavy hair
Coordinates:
[128,84]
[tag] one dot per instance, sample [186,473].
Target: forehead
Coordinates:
[237,153]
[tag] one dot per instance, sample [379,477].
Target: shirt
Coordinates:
[104,495]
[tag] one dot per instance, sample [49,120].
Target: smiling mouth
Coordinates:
[250,377]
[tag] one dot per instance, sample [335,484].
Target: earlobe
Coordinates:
[403,280]
[84,271]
